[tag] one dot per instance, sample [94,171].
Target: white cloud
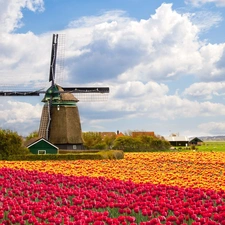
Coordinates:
[99,21]
[112,46]
[133,57]
[205,20]
[19,111]
[205,90]
[134,99]
[213,128]
[220,3]
[19,116]
[24,60]
[132,89]
[11,15]
[163,47]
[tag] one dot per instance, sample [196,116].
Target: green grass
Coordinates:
[207,146]
[217,146]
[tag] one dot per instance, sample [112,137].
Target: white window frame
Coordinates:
[44,152]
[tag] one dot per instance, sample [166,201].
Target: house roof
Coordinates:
[35,140]
[177,138]
[120,134]
[195,139]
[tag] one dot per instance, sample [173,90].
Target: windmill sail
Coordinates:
[53,58]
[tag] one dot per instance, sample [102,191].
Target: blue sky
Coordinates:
[164,62]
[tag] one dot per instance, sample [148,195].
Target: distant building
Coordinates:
[195,141]
[119,134]
[111,134]
[177,140]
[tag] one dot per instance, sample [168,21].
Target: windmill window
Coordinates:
[74,147]
[41,152]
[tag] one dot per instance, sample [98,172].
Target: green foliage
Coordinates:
[126,142]
[112,154]
[11,144]
[94,140]
[100,146]
[34,157]
[91,139]
[109,140]
[77,151]
[32,135]
[114,213]
[141,143]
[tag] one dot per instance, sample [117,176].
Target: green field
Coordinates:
[212,146]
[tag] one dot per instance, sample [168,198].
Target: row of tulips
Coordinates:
[190,169]
[31,197]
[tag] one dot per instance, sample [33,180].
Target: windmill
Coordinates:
[60,120]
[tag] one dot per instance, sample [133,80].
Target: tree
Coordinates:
[146,141]
[140,143]
[109,140]
[32,135]
[93,140]
[126,142]
[11,144]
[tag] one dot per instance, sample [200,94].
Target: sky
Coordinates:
[164,62]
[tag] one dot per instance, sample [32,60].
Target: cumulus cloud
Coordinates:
[143,50]
[135,89]
[114,46]
[135,58]
[163,47]
[11,15]
[219,3]
[220,63]
[151,100]
[21,116]
[213,128]
[21,63]
[205,90]
[205,20]
[24,61]
[19,111]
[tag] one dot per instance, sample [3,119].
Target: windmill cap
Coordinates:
[57,94]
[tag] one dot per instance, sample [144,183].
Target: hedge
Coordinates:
[112,154]
[146,150]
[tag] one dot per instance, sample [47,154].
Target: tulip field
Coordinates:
[169,188]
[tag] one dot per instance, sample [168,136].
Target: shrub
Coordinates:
[11,144]
[34,157]
[141,143]
[112,154]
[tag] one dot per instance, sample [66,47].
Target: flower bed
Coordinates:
[146,188]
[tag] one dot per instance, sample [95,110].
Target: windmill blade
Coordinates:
[19,93]
[22,93]
[59,70]
[89,94]
[53,58]
[87,89]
